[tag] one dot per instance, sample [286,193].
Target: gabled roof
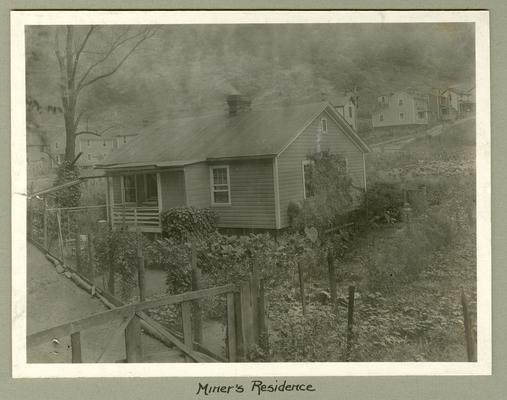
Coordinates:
[254,133]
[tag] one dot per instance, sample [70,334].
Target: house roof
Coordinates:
[254,133]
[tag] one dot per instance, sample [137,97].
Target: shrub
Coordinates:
[332,193]
[384,202]
[116,252]
[69,196]
[182,222]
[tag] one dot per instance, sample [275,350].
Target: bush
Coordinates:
[332,193]
[116,251]
[69,196]
[384,202]
[182,222]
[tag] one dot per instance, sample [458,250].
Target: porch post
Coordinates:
[109,203]
[159,197]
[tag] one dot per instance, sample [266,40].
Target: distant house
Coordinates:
[456,102]
[96,148]
[347,106]
[247,164]
[401,108]
[50,129]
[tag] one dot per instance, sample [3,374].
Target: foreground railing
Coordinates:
[242,317]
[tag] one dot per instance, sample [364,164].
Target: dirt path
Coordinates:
[52,299]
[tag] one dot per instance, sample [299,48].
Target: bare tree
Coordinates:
[80,66]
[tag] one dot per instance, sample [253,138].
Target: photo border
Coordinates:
[18,167]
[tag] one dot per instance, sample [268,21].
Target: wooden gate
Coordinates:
[245,305]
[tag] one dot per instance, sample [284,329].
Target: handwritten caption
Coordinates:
[256,386]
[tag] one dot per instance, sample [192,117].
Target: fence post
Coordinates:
[78,251]
[240,332]
[133,346]
[302,287]
[332,281]
[350,320]
[110,283]
[91,261]
[262,318]
[254,301]
[186,316]
[231,329]
[469,340]
[60,236]
[75,343]
[246,314]
[45,225]
[141,272]
[196,285]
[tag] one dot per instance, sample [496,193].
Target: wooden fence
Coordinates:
[241,335]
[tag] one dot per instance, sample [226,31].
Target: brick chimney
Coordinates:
[238,103]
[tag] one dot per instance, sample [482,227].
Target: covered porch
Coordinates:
[136,199]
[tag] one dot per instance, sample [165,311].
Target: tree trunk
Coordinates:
[69,98]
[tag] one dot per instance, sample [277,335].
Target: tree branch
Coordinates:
[145,36]
[87,133]
[98,133]
[80,50]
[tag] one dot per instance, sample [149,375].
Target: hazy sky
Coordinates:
[188,68]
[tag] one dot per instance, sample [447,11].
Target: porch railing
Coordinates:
[136,216]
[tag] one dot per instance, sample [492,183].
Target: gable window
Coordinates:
[323,125]
[307,179]
[402,116]
[381,117]
[350,111]
[220,185]
[129,189]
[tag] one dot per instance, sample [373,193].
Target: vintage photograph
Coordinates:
[251,192]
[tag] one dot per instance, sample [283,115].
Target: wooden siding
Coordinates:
[252,193]
[117,195]
[290,170]
[173,189]
[197,185]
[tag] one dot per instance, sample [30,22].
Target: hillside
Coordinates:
[189,69]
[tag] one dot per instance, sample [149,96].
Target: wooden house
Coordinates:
[247,164]
[400,109]
[347,106]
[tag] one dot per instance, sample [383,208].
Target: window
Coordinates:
[220,185]
[307,179]
[420,115]
[381,117]
[89,156]
[323,125]
[124,139]
[88,143]
[400,101]
[56,145]
[129,189]
[350,111]
[402,116]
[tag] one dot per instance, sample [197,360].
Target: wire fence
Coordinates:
[64,232]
